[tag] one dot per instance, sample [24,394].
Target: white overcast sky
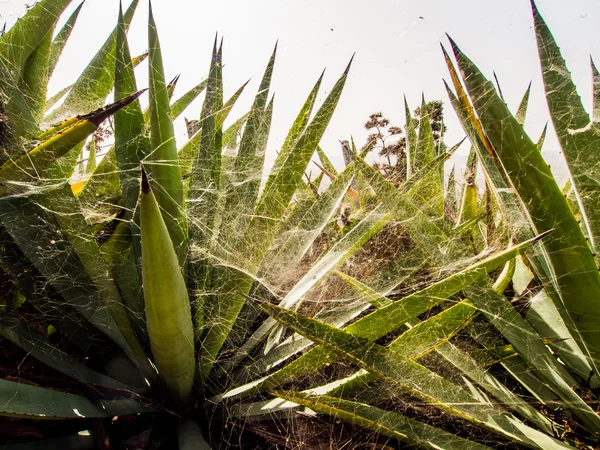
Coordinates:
[396,45]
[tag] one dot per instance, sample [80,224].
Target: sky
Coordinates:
[397,46]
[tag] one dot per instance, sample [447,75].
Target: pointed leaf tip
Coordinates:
[98,116]
[145,183]
[534,7]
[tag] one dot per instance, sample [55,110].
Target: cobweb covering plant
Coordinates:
[162,296]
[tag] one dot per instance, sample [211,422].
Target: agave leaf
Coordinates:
[206,169]
[327,165]
[596,91]
[31,165]
[264,223]
[469,202]
[542,138]
[498,86]
[420,227]
[33,226]
[35,76]
[231,133]
[131,140]
[496,180]
[302,120]
[241,193]
[179,105]
[410,376]
[162,163]
[506,319]
[225,109]
[119,254]
[189,151]
[56,97]
[334,258]
[450,202]
[275,200]
[385,320]
[545,319]
[205,181]
[339,253]
[168,311]
[20,121]
[462,361]
[396,273]
[291,249]
[72,225]
[419,340]
[24,400]
[579,140]
[18,43]
[380,421]
[59,42]
[431,190]
[429,334]
[21,335]
[522,110]
[575,269]
[368,293]
[411,141]
[95,82]
[437,163]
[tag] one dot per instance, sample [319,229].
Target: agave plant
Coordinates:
[163,292]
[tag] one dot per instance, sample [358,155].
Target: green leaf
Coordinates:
[596,91]
[32,165]
[380,421]
[168,310]
[507,320]
[545,319]
[205,182]
[299,125]
[419,340]
[431,190]
[327,165]
[18,43]
[426,233]
[275,200]
[522,111]
[410,376]
[59,42]
[162,163]
[24,400]
[35,76]
[450,201]
[131,140]
[387,319]
[293,244]
[579,140]
[21,335]
[575,271]
[95,82]
[242,191]
[467,365]
[411,141]
[56,97]
[20,121]
[179,105]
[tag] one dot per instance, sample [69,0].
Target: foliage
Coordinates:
[392,146]
[170,298]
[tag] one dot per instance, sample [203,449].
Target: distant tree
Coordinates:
[390,140]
